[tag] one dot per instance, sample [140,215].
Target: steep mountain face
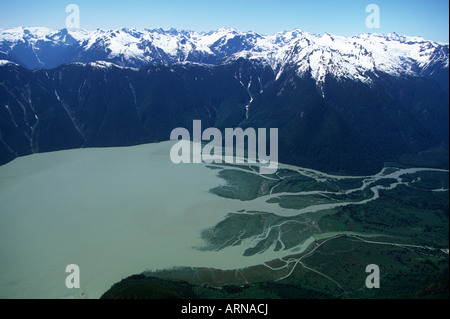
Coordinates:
[99,104]
[356,127]
[343,105]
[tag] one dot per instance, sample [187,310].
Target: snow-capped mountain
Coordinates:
[358,57]
[342,104]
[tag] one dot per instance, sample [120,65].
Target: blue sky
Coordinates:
[429,19]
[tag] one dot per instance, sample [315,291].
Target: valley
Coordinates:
[88,176]
[342,105]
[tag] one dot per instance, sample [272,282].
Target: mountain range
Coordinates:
[342,104]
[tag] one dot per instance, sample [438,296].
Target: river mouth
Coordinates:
[120,211]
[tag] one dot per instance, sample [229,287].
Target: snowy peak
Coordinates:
[315,55]
[6,62]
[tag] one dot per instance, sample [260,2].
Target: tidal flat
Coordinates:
[115,212]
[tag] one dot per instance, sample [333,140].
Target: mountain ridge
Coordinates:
[345,57]
[341,108]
